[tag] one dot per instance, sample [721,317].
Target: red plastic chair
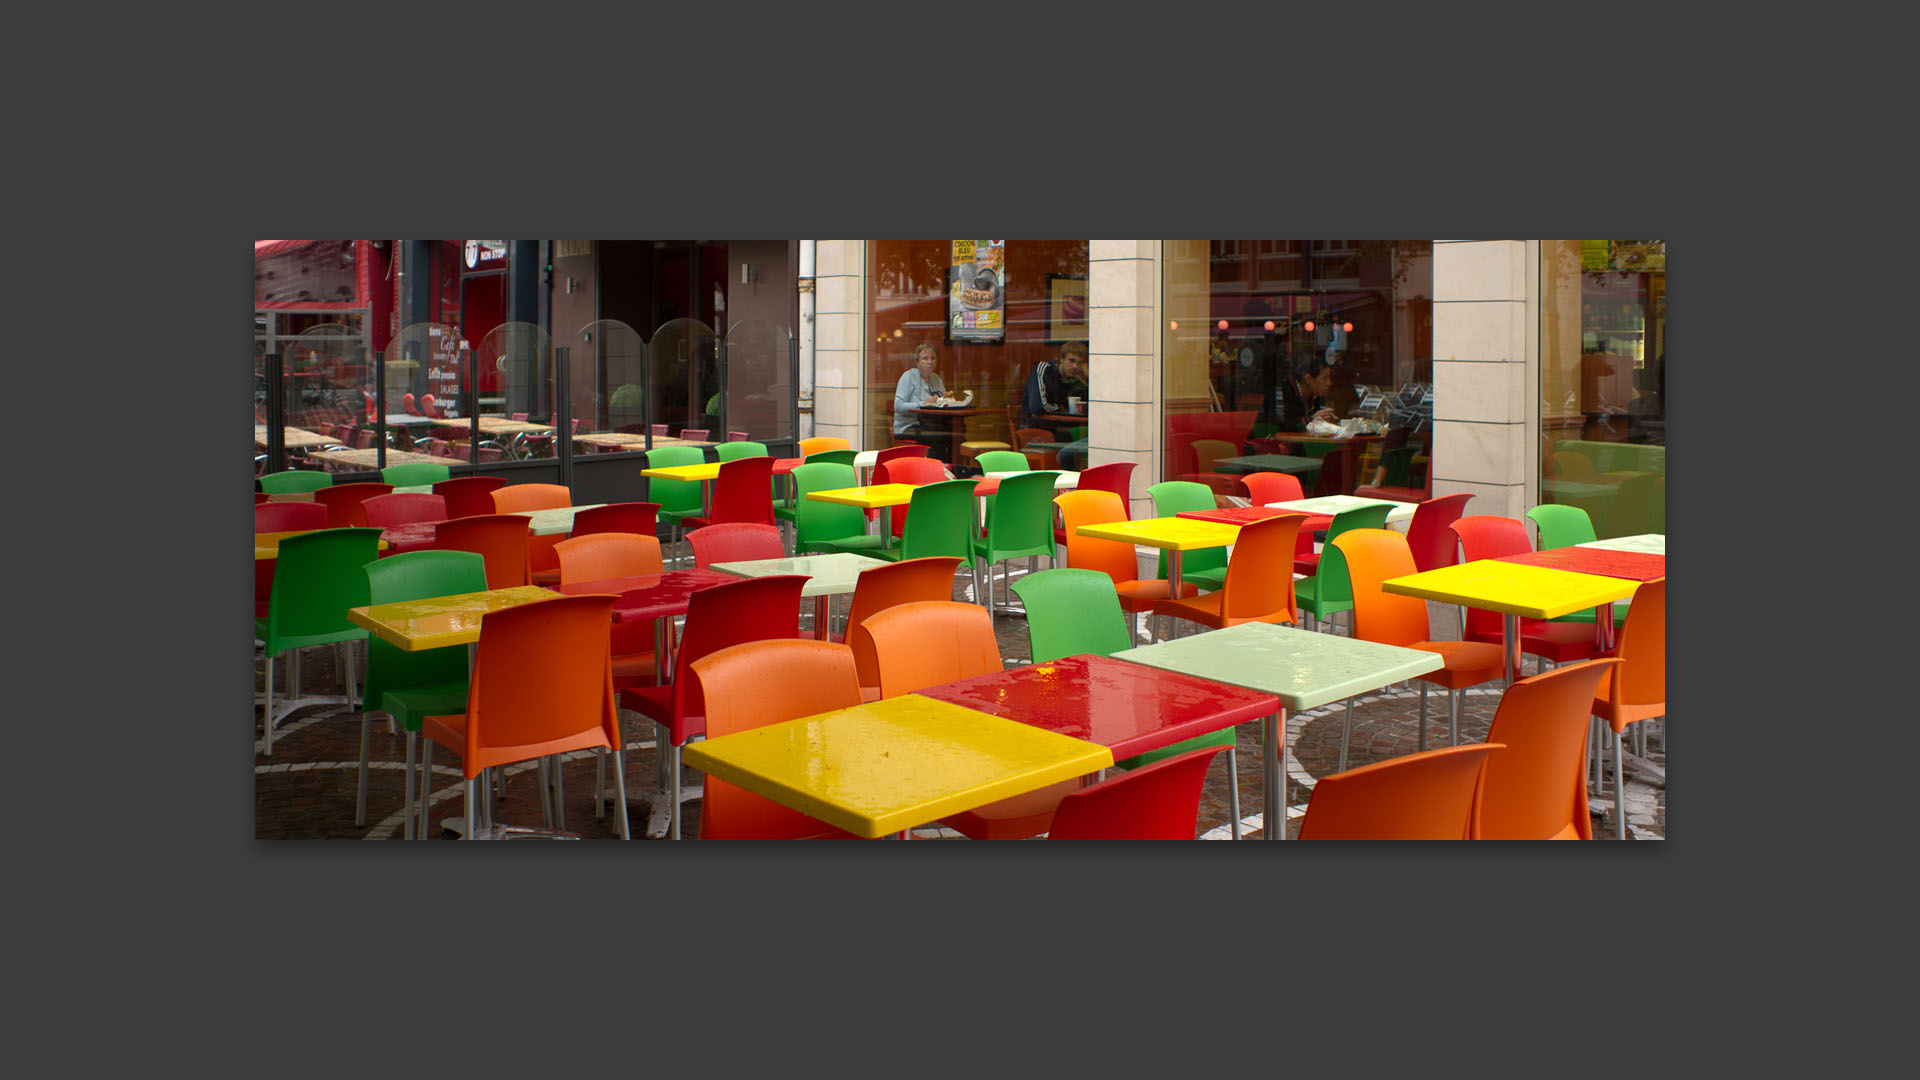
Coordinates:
[882,587]
[343,502]
[501,539]
[1536,788]
[1638,690]
[279,517]
[541,686]
[917,471]
[1430,795]
[753,609]
[427,406]
[404,508]
[759,683]
[469,495]
[735,542]
[1160,801]
[694,434]
[660,430]
[260,497]
[901,450]
[743,492]
[1428,533]
[406,402]
[1487,536]
[1114,476]
[638,518]
[1272,487]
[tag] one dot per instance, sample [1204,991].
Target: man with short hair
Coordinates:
[1046,391]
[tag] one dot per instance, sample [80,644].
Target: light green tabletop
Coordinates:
[1534,592]
[831,574]
[555,520]
[1303,668]
[1334,504]
[1063,480]
[1651,543]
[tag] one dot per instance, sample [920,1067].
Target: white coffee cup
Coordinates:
[1075,404]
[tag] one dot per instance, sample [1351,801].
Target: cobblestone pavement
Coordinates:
[307,788]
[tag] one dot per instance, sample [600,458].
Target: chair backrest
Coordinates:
[295,480]
[1025,435]
[515,498]
[1570,465]
[1170,497]
[1427,795]
[288,516]
[414,473]
[468,495]
[607,555]
[1643,647]
[428,406]
[735,541]
[542,683]
[744,492]
[406,402]
[913,470]
[754,684]
[1272,487]
[661,429]
[343,502]
[900,450]
[835,457]
[1022,515]
[1639,506]
[403,508]
[502,539]
[1208,451]
[363,439]
[671,494]
[884,586]
[940,521]
[1561,525]
[819,443]
[1114,476]
[1372,556]
[814,520]
[639,518]
[929,642]
[1428,533]
[735,449]
[1112,558]
[1003,461]
[694,434]
[1259,581]
[1536,789]
[417,575]
[1160,801]
[318,577]
[1072,611]
[1488,536]
[751,609]
[1360,517]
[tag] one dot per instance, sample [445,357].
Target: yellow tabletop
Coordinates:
[1535,592]
[267,545]
[706,470]
[871,497]
[890,765]
[441,620]
[1174,533]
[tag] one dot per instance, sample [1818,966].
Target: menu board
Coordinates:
[977,291]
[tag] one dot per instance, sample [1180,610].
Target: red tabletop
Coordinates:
[784,465]
[651,596]
[1131,708]
[1631,565]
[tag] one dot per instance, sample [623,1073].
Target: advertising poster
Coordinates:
[976,291]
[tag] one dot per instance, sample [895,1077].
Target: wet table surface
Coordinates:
[1652,543]
[1334,504]
[440,621]
[1534,592]
[651,596]
[1604,562]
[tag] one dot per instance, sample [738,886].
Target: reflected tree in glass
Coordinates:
[684,376]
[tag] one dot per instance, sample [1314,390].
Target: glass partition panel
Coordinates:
[683,388]
[608,383]
[513,366]
[423,363]
[759,380]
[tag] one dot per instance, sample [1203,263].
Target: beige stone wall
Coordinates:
[1123,413]
[839,360]
[1484,342]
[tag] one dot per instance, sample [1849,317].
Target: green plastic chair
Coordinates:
[784,509]
[318,576]
[1561,526]
[678,499]
[731,451]
[834,457]
[1072,611]
[939,522]
[1003,461]
[1326,591]
[1019,526]
[295,480]
[1207,567]
[409,685]
[824,526]
[415,473]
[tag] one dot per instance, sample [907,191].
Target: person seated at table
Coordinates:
[1073,456]
[1046,391]
[1302,396]
[919,385]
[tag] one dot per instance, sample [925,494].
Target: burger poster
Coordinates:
[976,291]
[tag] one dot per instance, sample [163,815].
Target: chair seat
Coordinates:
[1027,814]
[410,705]
[1468,663]
[631,670]
[1206,611]
[1138,596]
[301,641]
[1210,580]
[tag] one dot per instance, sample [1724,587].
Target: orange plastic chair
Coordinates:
[343,502]
[1259,581]
[735,542]
[1638,690]
[743,493]
[1272,487]
[501,539]
[1114,476]
[613,555]
[810,447]
[929,642]
[752,609]
[468,495]
[1036,459]
[1373,556]
[1536,789]
[403,508]
[543,567]
[427,406]
[759,683]
[1160,801]
[1431,795]
[541,686]
[1427,534]
[881,587]
[1489,536]
[1111,557]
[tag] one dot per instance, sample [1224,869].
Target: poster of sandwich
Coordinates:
[977,291]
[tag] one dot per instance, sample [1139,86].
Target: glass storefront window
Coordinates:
[1603,381]
[1260,334]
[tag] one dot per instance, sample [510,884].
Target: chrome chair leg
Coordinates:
[1346,734]
[406,805]
[360,794]
[1233,791]
[620,789]
[426,786]
[1619,791]
[1423,716]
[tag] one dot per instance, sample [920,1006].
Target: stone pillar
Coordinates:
[1484,346]
[1123,385]
[839,359]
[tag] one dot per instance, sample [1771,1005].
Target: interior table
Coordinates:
[1283,463]
[884,767]
[1652,543]
[1516,590]
[369,458]
[1301,668]
[1127,708]
[296,438]
[491,425]
[828,575]
[1170,534]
